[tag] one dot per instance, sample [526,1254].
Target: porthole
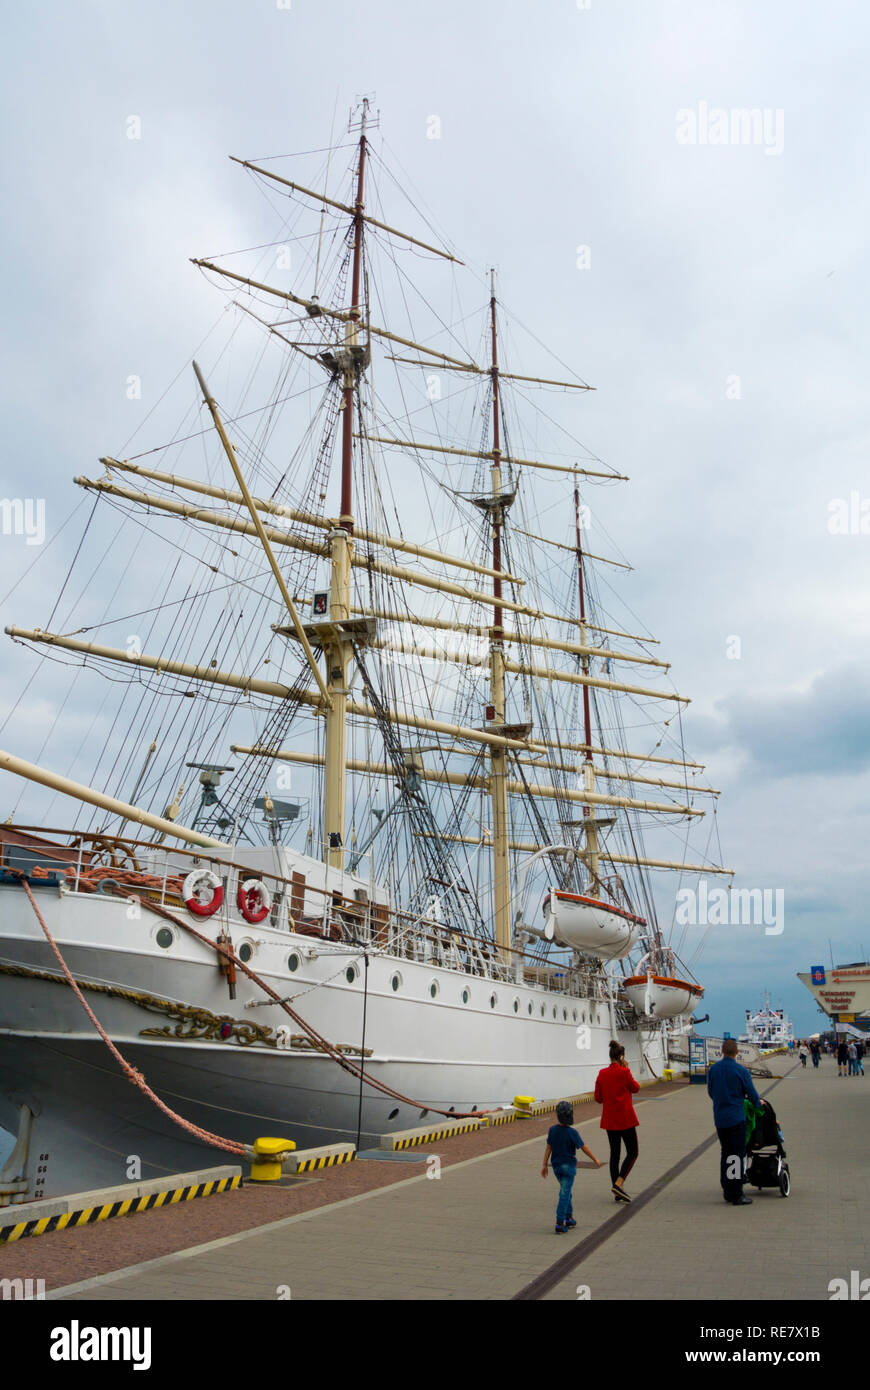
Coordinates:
[395,982]
[531,1006]
[423,1114]
[465,996]
[582,1015]
[565,1015]
[516,1006]
[555,1011]
[293,962]
[165,937]
[543,1010]
[433,989]
[350,974]
[492,1001]
[392,1115]
[245,952]
[574,1015]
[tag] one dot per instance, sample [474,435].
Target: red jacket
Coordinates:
[613,1088]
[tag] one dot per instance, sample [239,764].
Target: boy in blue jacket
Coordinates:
[562,1145]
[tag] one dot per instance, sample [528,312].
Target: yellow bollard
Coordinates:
[668,1073]
[265,1168]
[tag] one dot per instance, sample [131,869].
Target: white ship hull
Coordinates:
[90,1124]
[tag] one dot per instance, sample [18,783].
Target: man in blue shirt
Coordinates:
[727,1084]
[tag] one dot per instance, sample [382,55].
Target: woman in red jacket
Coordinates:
[613,1090]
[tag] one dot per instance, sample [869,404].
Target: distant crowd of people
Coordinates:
[849,1053]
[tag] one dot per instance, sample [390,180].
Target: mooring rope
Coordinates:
[215,1141]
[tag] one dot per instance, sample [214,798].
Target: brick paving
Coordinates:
[72,1255]
[777,1249]
[483,1230]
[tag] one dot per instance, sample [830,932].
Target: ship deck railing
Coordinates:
[367,925]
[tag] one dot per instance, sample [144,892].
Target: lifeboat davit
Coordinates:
[586,924]
[662,996]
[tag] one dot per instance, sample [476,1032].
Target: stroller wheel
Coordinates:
[784,1183]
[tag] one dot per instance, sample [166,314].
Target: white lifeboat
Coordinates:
[662,996]
[586,924]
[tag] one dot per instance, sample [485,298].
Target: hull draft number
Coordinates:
[203,892]
[254,900]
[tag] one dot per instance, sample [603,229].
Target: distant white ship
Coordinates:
[768,1028]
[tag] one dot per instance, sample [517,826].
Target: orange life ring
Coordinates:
[254,900]
[194,884]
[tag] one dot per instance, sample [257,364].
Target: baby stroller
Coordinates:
[765,1153]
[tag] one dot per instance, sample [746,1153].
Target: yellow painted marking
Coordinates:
[150,1201]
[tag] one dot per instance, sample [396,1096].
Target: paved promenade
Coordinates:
[483,1229]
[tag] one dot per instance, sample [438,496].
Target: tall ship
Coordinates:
[379,781]
[768,1027]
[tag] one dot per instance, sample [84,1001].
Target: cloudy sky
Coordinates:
[717,308]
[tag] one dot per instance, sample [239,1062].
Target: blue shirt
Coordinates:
[564,1143]
[728,1082]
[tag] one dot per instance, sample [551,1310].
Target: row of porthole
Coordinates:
[352,975]
[423,1114]
[165,938]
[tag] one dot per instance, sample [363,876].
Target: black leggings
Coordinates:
[616,1136]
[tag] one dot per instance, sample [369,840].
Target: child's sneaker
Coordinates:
[570,1222]
[560,1230]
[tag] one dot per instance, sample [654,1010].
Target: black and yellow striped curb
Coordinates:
[545,1107]
[428,1136]
[324,1161]
[88,1216]
[498,1117]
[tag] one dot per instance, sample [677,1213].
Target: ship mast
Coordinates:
[337,653]
[498,785]
[590,824]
